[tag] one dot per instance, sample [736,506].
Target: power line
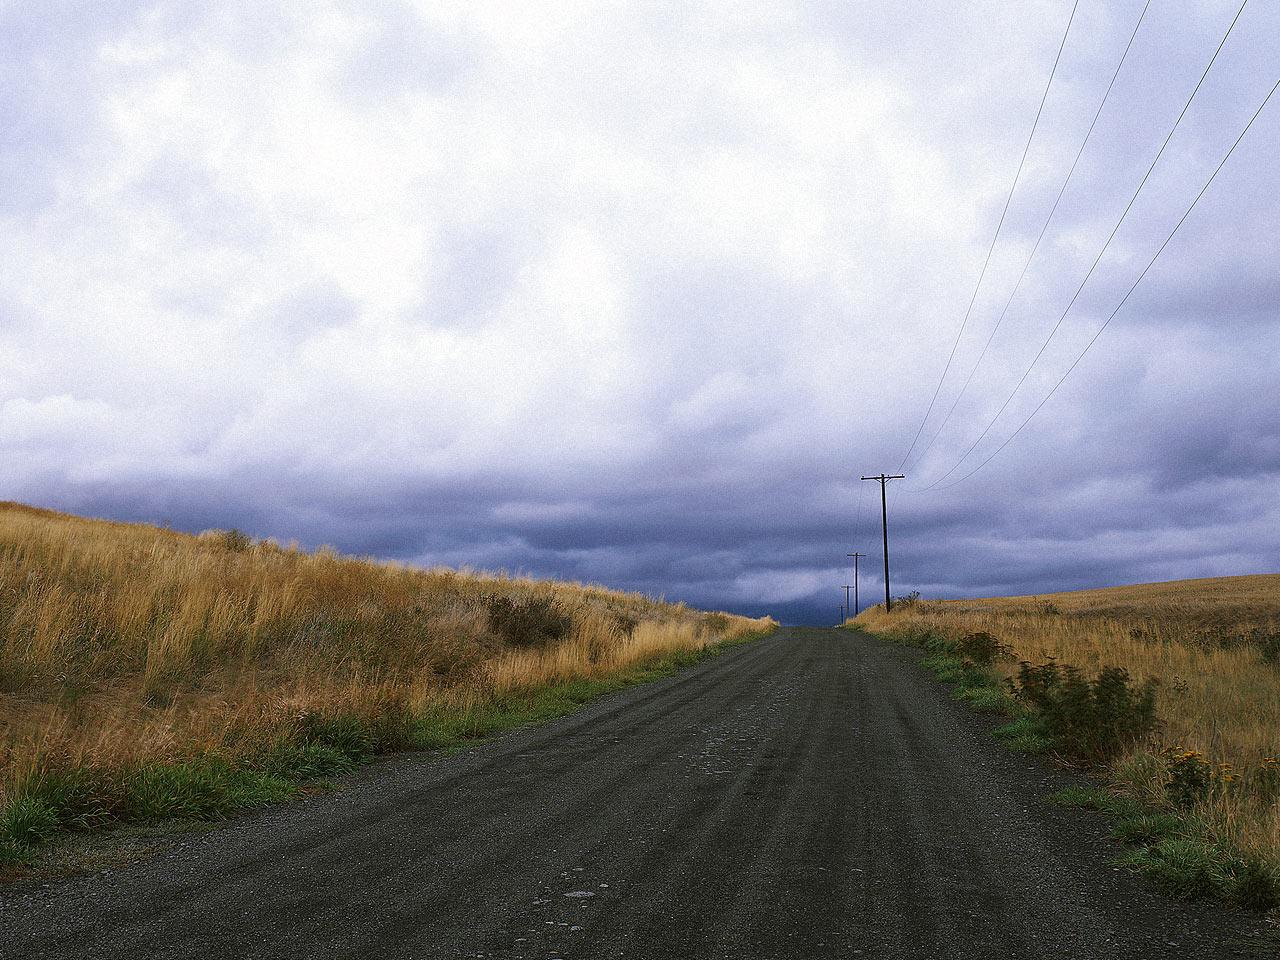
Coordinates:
[858,517]
[1043,229]
[991,248]
[1124,299]
[1114,230]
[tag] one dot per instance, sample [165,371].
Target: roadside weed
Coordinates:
[1145,828]
[1183,867]
[13,854]
[27,820]
[987,698]
[1025,734]
[1088,718]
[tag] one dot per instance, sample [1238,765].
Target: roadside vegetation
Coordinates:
[148,675]
[1168,692]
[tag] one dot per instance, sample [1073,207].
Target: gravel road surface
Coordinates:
[814,794]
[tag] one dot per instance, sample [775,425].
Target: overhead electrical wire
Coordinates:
[859,520]
[858,517]
[1125,298]
[1114,230]
[1036,246]
[991,248]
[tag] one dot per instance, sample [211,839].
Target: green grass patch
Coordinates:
[987,698]
[1089,798]
[1146,828]
[28,820]
[1181,866]
[945,667]
[1096,798]
[1194,868]
[1024,734]
[12,855]
[1167,848]
[193,790]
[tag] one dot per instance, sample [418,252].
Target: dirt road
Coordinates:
[811,795]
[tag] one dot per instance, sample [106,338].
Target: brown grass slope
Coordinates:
[124,646]
[1212,645]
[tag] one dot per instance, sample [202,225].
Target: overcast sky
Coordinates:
[634,292]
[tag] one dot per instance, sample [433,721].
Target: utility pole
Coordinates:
[857,605]
[884,528]
[847,608]
[841,623]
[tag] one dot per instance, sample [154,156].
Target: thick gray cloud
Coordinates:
[632,293]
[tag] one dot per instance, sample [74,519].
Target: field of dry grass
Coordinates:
[1212,645]
[126,647]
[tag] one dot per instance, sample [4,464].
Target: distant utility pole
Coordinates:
[847,608]
[857,605]
[842,613]
[884,528]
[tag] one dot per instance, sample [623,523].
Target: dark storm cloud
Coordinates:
[636,299]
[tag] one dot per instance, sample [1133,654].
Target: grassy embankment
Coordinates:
[148,675]
[1185,740]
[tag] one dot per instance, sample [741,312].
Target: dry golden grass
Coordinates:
[124,644]
[1214,647]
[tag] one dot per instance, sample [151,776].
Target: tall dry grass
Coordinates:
[123,645]
[1213,646]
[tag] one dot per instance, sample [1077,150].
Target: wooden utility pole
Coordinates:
[847,608]
[857,605]
[884,529]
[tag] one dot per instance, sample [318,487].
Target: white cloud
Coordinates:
[586,247]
